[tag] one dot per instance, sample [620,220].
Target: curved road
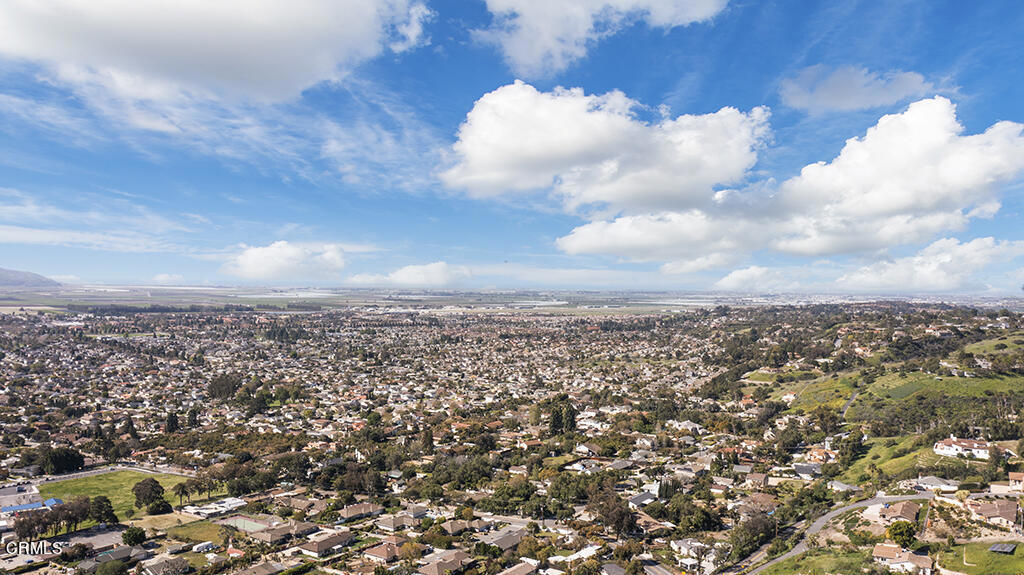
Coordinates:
[820,523]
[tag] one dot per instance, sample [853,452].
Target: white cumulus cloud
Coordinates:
[540,37]
[683,237]
[432,275]
[262,49]
[911,176]
[283,260]
[818,89]
[945,265]
[593,150]
[757,279]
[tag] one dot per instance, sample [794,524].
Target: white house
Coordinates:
[953,447]
[898,559]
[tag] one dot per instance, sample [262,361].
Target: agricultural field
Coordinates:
[824,562]
[981,561]
[116,485]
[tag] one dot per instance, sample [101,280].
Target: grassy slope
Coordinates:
[984,561]
[891,388]
[988,345]
[832,392]
[889,458]
[824,562]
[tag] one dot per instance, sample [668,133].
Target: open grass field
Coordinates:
[824,562]
[984,561]
[117,486]
[198,532]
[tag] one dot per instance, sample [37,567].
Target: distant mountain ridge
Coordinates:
[15,278]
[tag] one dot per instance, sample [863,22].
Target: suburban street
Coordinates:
[820,523]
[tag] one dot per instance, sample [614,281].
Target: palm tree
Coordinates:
[182,490]
[193,488]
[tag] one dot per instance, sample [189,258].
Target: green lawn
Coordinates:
[557,462]
[116,485]
[824,562]
[196,560]
[198,532]
[985,562]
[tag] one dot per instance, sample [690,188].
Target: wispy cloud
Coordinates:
[818,89]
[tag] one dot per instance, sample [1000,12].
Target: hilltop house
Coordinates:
[953,447]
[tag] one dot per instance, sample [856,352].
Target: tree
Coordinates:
[101,510]
[25,526]
[613,512]
[147,491]
[129,428]
[294,466]
[193,417]
[555,422]
[826,418]
[409,551]
[568,418]
[902,533]
[133,536]
[182,490]
[962,495]
[748,535]
[78,510]
[535,414]
[60,460]
[171,425]
[159,507]
[427,440]
[224,386]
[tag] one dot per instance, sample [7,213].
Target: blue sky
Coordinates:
[602,144]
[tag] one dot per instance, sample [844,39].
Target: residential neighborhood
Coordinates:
[438,441]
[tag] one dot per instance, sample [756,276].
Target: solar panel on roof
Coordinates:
[1006,548]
